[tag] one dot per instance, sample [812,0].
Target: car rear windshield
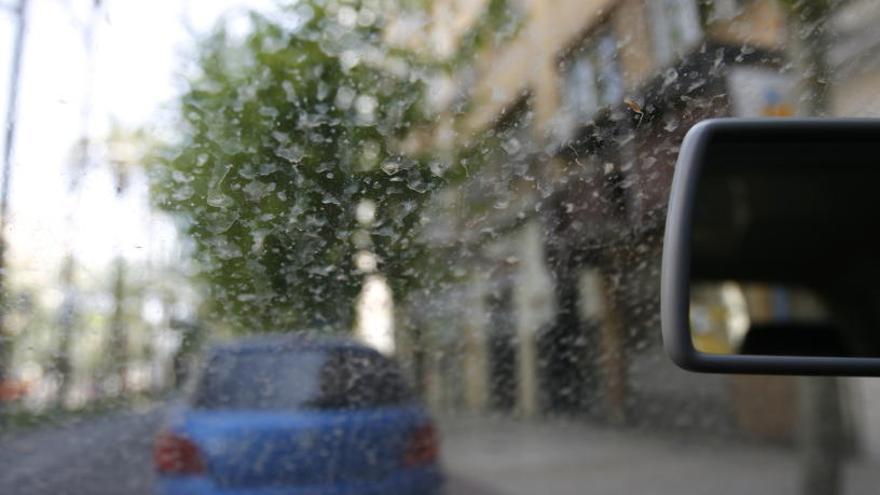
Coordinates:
[299,380]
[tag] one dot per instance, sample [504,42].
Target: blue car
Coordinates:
[298,415]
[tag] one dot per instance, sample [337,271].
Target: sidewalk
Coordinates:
[509,457]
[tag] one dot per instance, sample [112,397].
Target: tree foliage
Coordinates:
[283,133]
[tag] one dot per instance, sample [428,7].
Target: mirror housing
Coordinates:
[758,145]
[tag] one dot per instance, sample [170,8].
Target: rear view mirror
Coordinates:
[771,260]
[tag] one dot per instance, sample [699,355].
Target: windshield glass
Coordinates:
[259,381]
[291,380]
[456,206]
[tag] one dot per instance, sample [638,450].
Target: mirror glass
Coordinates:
[785,247]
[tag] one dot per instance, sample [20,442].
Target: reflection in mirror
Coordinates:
[755,318]
[785,257]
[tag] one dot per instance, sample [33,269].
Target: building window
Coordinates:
[723,10]
[591,78]
[610,79]
[676,27]
[580,95]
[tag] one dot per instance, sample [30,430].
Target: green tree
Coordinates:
[283,133]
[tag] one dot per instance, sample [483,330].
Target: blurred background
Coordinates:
[474,187]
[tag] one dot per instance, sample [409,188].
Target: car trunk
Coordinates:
[302,448]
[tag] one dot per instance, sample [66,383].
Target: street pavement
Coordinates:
[566,458]
[110,454]
[483,456]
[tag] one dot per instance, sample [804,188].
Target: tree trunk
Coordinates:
[118,335]
[66,323]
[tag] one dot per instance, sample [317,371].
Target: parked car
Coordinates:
[297,414]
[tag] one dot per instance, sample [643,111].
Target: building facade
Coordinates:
[586,103]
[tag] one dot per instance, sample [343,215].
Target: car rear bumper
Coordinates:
[421,481]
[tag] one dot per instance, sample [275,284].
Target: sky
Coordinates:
[140,50]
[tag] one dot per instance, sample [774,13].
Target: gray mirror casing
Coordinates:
[675,278]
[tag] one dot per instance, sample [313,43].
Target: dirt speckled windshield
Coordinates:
[397,247]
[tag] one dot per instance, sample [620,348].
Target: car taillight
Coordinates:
[176,454]
[423,447]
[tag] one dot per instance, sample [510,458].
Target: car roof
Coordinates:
[288,341]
